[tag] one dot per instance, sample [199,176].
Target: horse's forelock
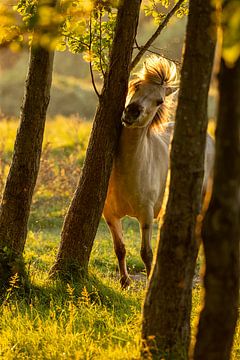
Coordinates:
[159,70]
[133,84]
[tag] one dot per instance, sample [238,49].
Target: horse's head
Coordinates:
[143,105]
[148,92]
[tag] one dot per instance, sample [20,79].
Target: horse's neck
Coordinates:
[132,143]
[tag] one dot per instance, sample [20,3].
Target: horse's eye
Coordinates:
[159,102]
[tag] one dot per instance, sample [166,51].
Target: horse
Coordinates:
[139,174]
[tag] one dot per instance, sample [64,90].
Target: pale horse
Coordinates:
[138,178]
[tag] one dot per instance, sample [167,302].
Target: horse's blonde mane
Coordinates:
[160,71]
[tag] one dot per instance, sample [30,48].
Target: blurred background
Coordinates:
[72,91]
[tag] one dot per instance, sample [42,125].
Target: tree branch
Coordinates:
[93,80]
[100,50]
[145,47]
[90,63]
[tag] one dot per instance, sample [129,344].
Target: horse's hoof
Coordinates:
[125,282]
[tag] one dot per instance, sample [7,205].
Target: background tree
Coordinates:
[221,226]
[17,195]
[167,307]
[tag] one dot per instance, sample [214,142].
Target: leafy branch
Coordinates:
[162,25]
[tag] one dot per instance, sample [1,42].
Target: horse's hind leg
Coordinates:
[116,229]
[146,250]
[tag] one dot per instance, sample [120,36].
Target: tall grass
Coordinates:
[92,320]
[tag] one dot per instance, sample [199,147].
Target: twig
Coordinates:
[137,46]
[166,57]
[145,47]
[100,50]
[76,39]
[90,63]
[159,51]
[93,81]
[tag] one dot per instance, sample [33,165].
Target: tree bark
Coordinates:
[17,195]
[86,208]
[221,228]
[167,307]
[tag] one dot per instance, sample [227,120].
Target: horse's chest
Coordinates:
[130,189]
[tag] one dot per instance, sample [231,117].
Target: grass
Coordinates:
[94,320]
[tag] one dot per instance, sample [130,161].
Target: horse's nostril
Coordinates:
[133,110]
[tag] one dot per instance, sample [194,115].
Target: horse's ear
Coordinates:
[172,90]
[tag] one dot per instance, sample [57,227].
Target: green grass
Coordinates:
[94,320]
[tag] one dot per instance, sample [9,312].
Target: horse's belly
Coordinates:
[131,200]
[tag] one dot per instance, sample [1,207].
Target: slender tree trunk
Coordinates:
[221,228]
[167,307]
[85,210]
[17,195]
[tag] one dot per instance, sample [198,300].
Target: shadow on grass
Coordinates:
[58,294]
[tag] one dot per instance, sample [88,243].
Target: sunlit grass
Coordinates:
[94,320]
[65,132]
[68,324]
[8,130]
[60,132]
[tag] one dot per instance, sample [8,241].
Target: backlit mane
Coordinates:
[160,71]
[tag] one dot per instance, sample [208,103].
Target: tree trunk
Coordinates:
[17,195]
[221,228]
[167,307]
[86,208]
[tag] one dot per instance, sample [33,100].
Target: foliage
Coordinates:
[96,39]
[40,21]
[10,26]
[231,30]
[81,26]
[155,9]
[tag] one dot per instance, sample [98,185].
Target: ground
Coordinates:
[91,320]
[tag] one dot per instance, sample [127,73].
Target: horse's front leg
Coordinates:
[146,249]
[115,227]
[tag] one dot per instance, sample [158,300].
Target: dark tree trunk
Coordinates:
[85,210]
[221,228]
[17,195]
[167,307]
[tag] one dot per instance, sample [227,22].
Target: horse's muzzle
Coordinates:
[131,114]
[133,110]
[129,121]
